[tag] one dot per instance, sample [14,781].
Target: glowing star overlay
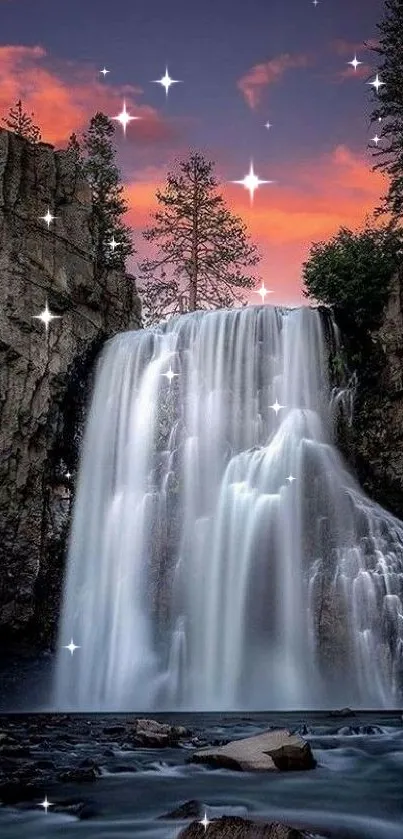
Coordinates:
[124,118]
[263,291]
[170,375]
[46,316]
[205,822]
[48,217]
[251,182]
[375,139]
[166,81]
[267,125]
[291,479]
[113,244]
[104,71]
[354,63]
[72,647]
[376,83]
[276,407]
[45,804]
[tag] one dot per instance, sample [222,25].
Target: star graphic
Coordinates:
[166,81]
[267,125]
[45,804]
[46,316]
[376,83]
[68,475]
[276,407]
[72,647]
[354,63]
[205,822]
[124,118]
[315,2]
[104,71]
[113,244]
[170,375]
[375,139]
[251,182]
[48,217]
[291,479]
[263,291]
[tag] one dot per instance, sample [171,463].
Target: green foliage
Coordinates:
[97,156]
[352,273]
[389,106]
[204,247]
[21,123]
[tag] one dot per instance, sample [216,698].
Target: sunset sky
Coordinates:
[241,64]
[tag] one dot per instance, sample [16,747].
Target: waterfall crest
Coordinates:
[221,556]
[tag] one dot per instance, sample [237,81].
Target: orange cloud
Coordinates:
[64,101]
[253,83]
[309,203]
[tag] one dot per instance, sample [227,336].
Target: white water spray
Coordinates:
[221,555]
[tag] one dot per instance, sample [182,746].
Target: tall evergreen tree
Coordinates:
[389,107]
[98,165]
[21,123]
[204,247]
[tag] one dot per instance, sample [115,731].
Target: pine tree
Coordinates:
[390,107]
[109,206]
[21,123]
[73,146]
[200,241]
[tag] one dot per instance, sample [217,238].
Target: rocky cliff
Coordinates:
[45,375]
[374,443]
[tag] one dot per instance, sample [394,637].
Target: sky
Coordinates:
[240,65]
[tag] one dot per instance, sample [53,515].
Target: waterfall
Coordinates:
[221,555]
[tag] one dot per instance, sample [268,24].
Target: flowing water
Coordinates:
[222,556]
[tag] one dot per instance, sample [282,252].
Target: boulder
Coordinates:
[153,734]
[189,810]
[234,827]
[270,751]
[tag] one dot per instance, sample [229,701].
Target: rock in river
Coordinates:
[270,751]
[234,827]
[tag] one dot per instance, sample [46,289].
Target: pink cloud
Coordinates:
[259,77]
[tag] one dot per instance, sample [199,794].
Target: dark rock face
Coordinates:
[234,827]
[45,376]
[374,446]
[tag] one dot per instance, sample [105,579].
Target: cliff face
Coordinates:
[45,375]
[375,445]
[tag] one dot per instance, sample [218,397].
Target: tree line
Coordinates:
[202,251]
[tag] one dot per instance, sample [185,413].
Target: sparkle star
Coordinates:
[267,125]
[375,139]
[315,2]
[72,647]
[263,291]
[45,804]
[376,83]
[113,244]
[291,479]
[354,63]
[48,217]
[124,118]
[276,407]
[166,81]
[46,316]
[170,375]
[251,182]
[205,822]
[104,71]
[68,475]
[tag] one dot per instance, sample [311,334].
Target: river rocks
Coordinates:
[268,752]
[152,734]
[38,263]
[234,827]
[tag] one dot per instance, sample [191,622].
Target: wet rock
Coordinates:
[71,807]
[152,734]
[342,712]
[234,827]
[271,751]
[189,810]
[79,775]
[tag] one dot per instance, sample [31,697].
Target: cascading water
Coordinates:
[221,555]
